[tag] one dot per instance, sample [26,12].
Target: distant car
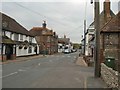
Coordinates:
[67,50]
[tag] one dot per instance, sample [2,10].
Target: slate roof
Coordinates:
[14,26]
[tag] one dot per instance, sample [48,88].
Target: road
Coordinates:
[55,71]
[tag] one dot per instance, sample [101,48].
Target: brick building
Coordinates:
[47,39]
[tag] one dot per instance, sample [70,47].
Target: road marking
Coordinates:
[74,56]
[39,64]
[85,83]
[77,79]
[9,75]
[50,60]
[21,70]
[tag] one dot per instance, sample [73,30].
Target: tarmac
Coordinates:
[86,72]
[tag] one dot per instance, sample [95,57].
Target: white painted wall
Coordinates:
[87,46]
[22,52]
[7,33]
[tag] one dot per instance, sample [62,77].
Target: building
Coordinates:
[105,16]
[110,40]
[47,39]
[16,40]
[90,40]
[63,42]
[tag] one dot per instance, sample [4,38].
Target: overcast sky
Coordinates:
[63,16]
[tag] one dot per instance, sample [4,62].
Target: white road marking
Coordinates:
[9,75]
[39,64]
[85,82]
[77,79]
[21,70]
[50,60]
[74,56]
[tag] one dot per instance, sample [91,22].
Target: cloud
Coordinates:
[63,17]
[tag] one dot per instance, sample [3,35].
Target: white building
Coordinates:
[16,40]
[90,35]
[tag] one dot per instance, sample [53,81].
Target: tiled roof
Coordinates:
[103,20]
[37,31]
[64,40]
[13,25]
[113,24]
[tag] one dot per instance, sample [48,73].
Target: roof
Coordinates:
[112,25]
[37,31]
[64,40]
[103,21]
[13,25]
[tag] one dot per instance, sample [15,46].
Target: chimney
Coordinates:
[44,24]
[64,36]
[107,9]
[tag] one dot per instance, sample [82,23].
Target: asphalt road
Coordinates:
[55,71]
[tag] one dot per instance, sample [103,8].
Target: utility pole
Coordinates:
[97,40]
[84,35]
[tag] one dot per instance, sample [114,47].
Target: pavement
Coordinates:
[52,71]
[81,62]
[23,58]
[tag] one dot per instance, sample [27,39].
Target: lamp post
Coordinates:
[97,39]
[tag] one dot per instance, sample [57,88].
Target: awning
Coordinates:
[7,40]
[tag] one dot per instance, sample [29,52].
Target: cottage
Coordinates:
[16,40]
[47,39]
[105,16]
[110,40]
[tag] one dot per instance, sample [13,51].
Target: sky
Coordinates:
[65,17]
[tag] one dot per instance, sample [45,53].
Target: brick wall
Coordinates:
[109,76]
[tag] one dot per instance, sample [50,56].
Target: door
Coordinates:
[9,51]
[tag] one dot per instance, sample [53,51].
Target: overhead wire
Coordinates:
[44,16]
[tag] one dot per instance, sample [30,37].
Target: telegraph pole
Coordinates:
[97,40]
[84,35]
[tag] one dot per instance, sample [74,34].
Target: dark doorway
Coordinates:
[9,51]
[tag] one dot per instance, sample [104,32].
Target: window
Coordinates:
[44,32]
[48,39]
[21,37]
[30,50]
[11,35]
[30,39]
[16,37]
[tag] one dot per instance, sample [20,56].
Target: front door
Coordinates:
[9,51]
